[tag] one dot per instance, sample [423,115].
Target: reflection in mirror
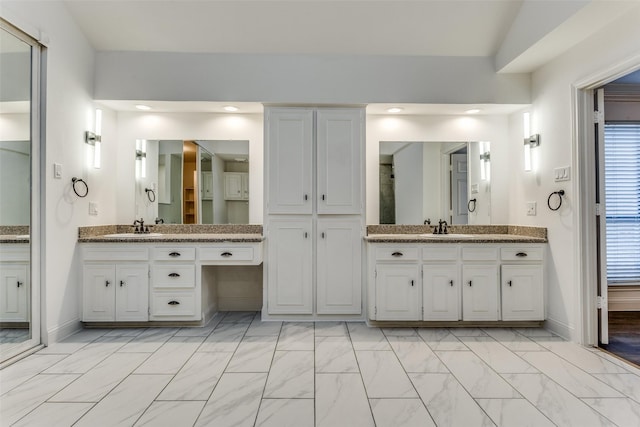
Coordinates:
[15,194]
[422,182]
[192,182]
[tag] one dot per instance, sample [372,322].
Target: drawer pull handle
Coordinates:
[19,284]
[521,254]
[469,282]
[397,254]
[306,235]
[122,283]
[323,197]
[306,197]
[174,275]
[173,302]
[226,254]
[412,283]
[107,283]
[322,234]
[450,282]
[174,254]
[509,282]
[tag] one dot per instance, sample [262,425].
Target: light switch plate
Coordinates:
[57,171]
[475,188]
[531,208]
[562,174]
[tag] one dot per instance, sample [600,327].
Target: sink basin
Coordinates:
[132,235]
[447,236]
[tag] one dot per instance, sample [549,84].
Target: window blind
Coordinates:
[622,202]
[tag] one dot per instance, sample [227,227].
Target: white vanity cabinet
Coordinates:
[115,283]
[174,294]
[314,211]
[14,282]
[467,282]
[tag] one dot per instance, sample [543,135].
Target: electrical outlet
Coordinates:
[531,208]
[93,208]
[562,174]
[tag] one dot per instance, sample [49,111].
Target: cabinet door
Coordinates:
[398,295]
[289,266]
[233,186]
[132,292]
[480,292]
[340,140]
[245,186]
[522,295]
[339,267]
[99,293]
[207,185]
[441,292]
[289,160]
[14,293]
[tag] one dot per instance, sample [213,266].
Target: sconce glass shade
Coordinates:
[528,166]
[141,158]
[94,139]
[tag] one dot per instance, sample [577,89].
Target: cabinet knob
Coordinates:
[322,234]
[226,254]
[450,282]
[412,283]
[122,283]
[306,235]
[521,254]
[173,302]
[469,282]
[397,254]
[174,254]
[509,282]
[174,275]
[323,197]
[107,283]
[306,197]
[19,284]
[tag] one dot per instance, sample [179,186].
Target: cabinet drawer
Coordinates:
[397,253]
[226,254]
[174,254]
[173,304]
[440,253]
[109,252]
[479,254]
[174,276]
[519,253]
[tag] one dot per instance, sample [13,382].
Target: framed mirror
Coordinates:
[192,181]
[19,142]
[422,182]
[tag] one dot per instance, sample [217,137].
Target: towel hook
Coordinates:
[559,193]
[74,181]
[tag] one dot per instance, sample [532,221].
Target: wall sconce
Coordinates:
[485,158]
[94,139]
[141,158]
[530,141]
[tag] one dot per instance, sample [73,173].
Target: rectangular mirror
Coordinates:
[192,182]
[422,182]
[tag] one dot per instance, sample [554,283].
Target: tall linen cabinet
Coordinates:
[314,211]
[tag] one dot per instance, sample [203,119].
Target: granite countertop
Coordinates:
[452,238]
[176,238]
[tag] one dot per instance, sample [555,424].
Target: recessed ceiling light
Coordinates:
[394,109]
[143,107]
[230,108]
[473,111]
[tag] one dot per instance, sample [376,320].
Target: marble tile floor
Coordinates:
[239,371]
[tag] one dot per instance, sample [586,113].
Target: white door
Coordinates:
[441,292]
[245,186]
[14,293]
[339,147]
[289,160]
[132,292]
[398,292]
[289,281]
[339,267]
[99,293]
[522,296]
[601,223]
[207,185]
[459,201]
[480,292]
[232,186]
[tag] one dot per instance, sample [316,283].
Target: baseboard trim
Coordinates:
[63,331]
[623,298]
[559,328]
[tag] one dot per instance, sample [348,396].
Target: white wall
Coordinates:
[443,129]
[407,167]
[70,112]
[186,126]
[552,119]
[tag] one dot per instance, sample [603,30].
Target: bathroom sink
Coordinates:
[447,236]
[132,235]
